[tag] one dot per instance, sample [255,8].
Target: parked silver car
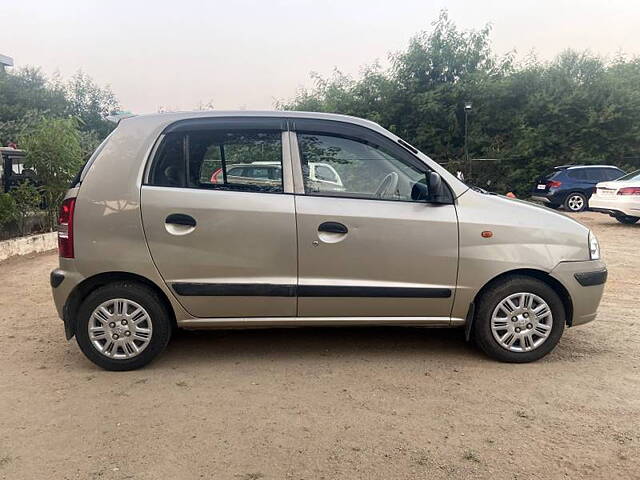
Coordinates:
[148,242]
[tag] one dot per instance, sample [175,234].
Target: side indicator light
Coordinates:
[487,234]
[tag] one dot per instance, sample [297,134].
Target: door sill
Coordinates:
[268,322]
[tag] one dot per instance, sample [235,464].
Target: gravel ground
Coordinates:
[371,403]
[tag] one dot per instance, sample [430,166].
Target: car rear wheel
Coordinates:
[519,320]
[576,202]
[627,219]
[122,326]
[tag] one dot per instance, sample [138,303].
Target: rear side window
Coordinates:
[578,174]
[552,175]
[169,169]
[597,174]
[216,158]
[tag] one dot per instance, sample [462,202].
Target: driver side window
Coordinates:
[334,165]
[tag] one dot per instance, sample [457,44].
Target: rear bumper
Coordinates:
[550,196]
[585,283]
[63,283]
[540,198]
[616,206]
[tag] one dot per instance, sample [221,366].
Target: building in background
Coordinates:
[5,62]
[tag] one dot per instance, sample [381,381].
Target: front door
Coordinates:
[220,227]
[370,248]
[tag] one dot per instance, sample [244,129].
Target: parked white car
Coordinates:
[320,175]
[619,198]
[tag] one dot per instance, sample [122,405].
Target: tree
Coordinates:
[527,115]
[25,97]
[90,104]
[54,152]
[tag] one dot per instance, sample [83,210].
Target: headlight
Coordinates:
[594,247]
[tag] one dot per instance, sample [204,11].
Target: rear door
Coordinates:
[227,249]
[368,250]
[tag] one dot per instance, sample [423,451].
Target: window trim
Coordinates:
[227,123]
[350,130]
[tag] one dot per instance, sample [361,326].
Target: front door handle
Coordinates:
[181,219]
[333,227]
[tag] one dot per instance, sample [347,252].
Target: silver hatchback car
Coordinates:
[150,240]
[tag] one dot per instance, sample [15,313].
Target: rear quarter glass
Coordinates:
[551,176]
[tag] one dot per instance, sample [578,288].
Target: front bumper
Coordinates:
[616,205]
[585,283]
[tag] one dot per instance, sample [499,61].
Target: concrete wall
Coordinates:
[27,245]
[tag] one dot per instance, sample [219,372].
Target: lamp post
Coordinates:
[467,109]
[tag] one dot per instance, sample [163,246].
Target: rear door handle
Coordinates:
[181,219]
[332,227]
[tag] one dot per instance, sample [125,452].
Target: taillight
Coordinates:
[629,191]
[65,228]
[553,184]
[214,177]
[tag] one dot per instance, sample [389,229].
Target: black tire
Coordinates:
[552,206]
[145,297]
[576,198]
[497,292]
[627,219]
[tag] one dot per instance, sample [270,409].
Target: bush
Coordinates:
[27,200]
[7,209]
[55,153]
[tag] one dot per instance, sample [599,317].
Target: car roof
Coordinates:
[571,167]
[164,119]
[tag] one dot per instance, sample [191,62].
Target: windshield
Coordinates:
[629,176]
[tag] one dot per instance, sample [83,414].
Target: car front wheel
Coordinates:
[122,326]
[518,320]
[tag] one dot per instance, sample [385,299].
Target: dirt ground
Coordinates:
[367,403]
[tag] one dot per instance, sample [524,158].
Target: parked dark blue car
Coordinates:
[571,186]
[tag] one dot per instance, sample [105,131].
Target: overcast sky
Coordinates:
[248,53]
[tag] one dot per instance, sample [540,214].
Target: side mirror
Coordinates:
[434,180]
[430,190]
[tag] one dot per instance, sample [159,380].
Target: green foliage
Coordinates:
[8,209]
[27,202]
[54,152]
[90,104]
[27,96]
[59,125]
[530,115]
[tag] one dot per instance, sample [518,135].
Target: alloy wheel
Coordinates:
[575,203]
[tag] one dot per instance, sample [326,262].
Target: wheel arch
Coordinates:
[541,275]
[585,192]
[84,288]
